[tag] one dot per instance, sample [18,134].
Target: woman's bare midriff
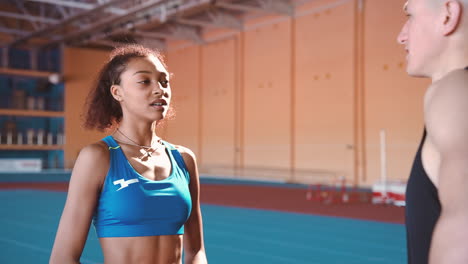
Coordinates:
[142,250]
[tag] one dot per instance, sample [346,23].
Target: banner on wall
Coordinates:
[20,165]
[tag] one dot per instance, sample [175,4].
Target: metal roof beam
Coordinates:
[80,5]
[116,20]
[20,6]
[186,32]
[283,7]
[14,31]
[28,17]
[214,19]
[175,31]
[225,19]
[63,12]
[239,7]
[166,10]
[65,22]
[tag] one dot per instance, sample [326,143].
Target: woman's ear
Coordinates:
[116,92]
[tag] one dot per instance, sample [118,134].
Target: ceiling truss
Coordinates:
[114,22]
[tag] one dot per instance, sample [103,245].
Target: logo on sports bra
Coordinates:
[124,184]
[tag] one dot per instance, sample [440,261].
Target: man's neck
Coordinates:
[441,74]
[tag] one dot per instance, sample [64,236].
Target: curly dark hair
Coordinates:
[102,111]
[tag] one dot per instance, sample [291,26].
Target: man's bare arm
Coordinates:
[447,127]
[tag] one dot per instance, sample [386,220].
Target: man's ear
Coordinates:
[452,12]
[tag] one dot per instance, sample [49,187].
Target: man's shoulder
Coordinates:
[446,111]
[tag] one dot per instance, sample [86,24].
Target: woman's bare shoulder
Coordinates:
[92,160]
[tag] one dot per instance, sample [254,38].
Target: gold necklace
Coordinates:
[146,151]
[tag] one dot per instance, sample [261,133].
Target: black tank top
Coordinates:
[422,211]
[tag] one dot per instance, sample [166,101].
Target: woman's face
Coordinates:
[144,91]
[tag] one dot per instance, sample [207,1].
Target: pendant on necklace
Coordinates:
[146,154]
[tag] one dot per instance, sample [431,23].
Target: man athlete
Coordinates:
[435,37]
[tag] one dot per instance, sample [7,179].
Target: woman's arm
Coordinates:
[83,192]
[193,238]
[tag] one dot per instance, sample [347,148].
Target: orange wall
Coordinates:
[185,128]
[324,97]
[301,98]
[393,101]
[218,102]
[267,97]
[80,67]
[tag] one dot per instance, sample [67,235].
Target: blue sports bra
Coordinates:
[132,205]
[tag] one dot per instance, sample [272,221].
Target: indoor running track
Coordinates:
[29,219]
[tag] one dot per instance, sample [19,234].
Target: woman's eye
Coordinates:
[164,82]
[145,82]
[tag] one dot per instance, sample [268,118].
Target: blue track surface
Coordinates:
[29,220]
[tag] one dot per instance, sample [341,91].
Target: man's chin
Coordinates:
[415,73]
